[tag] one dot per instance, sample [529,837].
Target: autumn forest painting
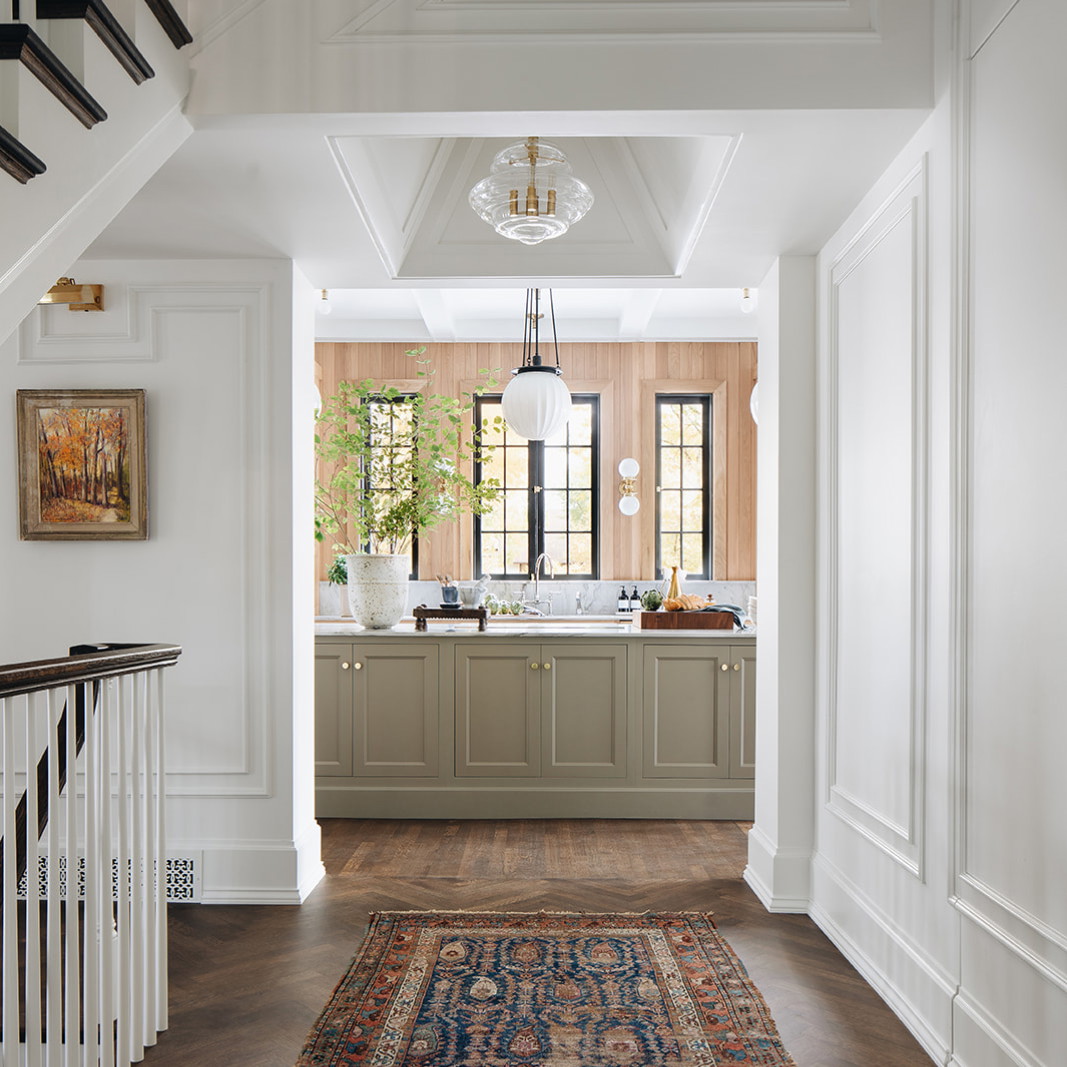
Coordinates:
[82,464]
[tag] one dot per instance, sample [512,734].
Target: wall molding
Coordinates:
[905,206]
[788,869]
[560,21]
[911,964]
[1037,943]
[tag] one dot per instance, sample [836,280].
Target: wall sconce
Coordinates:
[629,469]
[77,297]
[324,306]
[747,303]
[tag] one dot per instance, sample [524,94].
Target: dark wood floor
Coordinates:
[248,982]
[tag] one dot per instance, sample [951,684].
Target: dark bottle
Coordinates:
[623,603]
[635,600]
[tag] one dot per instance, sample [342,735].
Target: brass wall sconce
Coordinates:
[629,469]
[76,297]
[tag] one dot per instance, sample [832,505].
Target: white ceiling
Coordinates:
[690,205]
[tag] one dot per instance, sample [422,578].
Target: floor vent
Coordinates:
[183,879]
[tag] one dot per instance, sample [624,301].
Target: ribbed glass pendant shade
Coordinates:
[536,403]
[530,194]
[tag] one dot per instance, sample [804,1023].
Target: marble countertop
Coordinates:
[512,626]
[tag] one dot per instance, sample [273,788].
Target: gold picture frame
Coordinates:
[82,465]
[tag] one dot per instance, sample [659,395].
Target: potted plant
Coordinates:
[333,594]
[393,466]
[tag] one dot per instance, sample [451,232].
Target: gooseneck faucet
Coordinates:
[545,559]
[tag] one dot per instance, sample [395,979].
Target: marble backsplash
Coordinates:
[598,598]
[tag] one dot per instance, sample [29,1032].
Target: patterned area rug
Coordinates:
[458,989]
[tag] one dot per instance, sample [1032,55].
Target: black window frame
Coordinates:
[368,486]
[535,495]
[707,422]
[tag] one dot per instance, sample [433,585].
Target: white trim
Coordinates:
[906,204]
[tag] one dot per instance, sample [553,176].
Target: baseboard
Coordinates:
[780,877]
[461,802]
[263,872]
[932,1028]
[984,1042]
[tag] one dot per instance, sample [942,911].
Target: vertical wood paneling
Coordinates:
[627,376]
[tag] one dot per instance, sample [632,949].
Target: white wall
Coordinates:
[941,860]
[780,843]
[221,349]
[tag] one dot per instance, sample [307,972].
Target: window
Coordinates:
[551,496]
[390,420]
[683,483]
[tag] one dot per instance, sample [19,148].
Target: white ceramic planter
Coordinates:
[377,589]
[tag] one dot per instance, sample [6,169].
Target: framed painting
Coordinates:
[82,470]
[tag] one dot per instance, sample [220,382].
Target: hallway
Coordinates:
[248,982]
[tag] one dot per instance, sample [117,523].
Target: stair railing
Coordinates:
[83,924]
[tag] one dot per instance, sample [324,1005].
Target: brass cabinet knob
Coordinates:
[345,666]
[737,666]
[358,666]
[548,666]
[725,667]
[534,666]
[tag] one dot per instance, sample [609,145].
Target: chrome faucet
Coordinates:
[535,577]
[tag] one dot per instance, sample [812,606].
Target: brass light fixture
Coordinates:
[76,297]
[530,194]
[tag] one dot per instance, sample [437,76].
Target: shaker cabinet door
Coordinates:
[498,711]
[686,711]
[396,708]
[333,710]
[584,710]
[743,712]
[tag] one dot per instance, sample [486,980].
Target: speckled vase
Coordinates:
[377,589]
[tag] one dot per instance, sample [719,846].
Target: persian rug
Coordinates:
[496,989]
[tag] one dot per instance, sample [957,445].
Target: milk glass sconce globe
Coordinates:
[536,403]
[747,303]
[629,469]
[530,194]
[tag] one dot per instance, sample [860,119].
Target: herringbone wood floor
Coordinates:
[248,982]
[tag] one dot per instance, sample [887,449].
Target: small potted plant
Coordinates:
[422,449]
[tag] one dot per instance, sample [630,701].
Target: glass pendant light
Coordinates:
[530,194]
[536,403]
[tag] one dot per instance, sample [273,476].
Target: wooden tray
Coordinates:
[687,620]
[422,613]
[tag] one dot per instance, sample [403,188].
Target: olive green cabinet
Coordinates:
[376,709]
[549,710]
[524,726]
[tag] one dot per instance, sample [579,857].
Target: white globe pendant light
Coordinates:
[536,403]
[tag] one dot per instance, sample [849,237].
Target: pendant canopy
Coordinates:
[536,403]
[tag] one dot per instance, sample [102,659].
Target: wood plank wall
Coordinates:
[627,376]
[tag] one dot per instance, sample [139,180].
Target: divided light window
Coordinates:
[551,495]
[683,484]
[389,420]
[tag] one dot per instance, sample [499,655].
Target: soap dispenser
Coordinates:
[623,603]
[635,600]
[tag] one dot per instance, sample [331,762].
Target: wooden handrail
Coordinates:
[85,664]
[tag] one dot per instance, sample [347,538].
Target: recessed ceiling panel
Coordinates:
[442,20]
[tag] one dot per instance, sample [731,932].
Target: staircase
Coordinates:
[83,921]
[91,94]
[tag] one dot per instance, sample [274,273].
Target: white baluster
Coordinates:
[33,887]
[105,922]
[72,978]
[126,869]
[160,933]
[53,923]
[93,876]
[10,890]
[140,786]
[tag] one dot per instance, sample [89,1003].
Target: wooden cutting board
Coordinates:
[687,620]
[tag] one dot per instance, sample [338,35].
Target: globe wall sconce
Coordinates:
[629,469]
